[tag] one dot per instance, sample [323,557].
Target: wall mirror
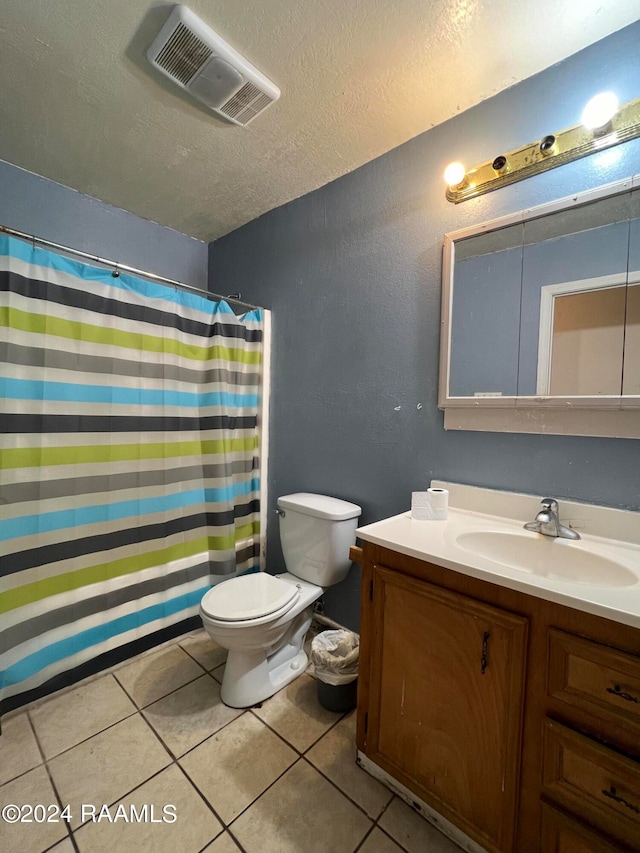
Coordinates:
[541,318]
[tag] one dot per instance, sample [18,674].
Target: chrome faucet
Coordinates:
[548,522]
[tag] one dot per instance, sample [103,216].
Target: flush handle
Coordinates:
[616,690]
[280,512]
[485,649]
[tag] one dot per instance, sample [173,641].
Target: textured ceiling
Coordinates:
[79,104]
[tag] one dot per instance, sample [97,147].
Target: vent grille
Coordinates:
[262,102]
[246,103]
[183,55]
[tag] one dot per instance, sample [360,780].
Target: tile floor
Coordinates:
[280,778]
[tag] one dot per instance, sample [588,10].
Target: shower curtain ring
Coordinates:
[116,272]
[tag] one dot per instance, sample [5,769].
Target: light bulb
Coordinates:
[454,174]
[599,111]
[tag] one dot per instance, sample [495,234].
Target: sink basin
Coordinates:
[560,559]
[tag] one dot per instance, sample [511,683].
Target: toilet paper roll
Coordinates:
[421,506]
[438,503]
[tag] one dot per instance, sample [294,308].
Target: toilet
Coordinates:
[262,619]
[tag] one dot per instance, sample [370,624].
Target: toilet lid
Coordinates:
[248,597]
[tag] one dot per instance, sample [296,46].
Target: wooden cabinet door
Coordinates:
[446,702]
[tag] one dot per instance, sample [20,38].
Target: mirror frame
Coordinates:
[604,415]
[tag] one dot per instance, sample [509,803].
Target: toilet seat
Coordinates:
[249,597]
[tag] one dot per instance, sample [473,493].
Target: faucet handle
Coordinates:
[549,503]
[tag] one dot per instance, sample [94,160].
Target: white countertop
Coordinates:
[435,542]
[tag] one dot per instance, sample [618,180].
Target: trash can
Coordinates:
[334,655]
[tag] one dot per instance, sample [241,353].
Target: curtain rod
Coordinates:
[118,267]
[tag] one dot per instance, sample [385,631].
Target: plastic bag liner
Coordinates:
[334,655]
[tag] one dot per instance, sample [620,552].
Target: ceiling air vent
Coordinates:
[183,55]
[195,57]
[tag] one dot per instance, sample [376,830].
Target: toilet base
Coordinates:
[253,675]
[258,682]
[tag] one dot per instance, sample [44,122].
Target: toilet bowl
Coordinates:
[263,619]
[265,650]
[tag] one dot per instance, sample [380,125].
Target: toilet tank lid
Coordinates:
[321,506]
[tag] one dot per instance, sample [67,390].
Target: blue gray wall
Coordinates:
[38,206]
[352,273]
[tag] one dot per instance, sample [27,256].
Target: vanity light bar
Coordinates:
[547,153]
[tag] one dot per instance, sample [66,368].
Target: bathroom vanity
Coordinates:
[499,689]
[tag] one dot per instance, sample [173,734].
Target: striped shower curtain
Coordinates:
[129,464]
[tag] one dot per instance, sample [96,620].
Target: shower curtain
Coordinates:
[129,463]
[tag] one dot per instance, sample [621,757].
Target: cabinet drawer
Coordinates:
[562,834]
[593,782]
[597,679]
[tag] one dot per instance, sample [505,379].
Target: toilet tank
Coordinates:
[316,532]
